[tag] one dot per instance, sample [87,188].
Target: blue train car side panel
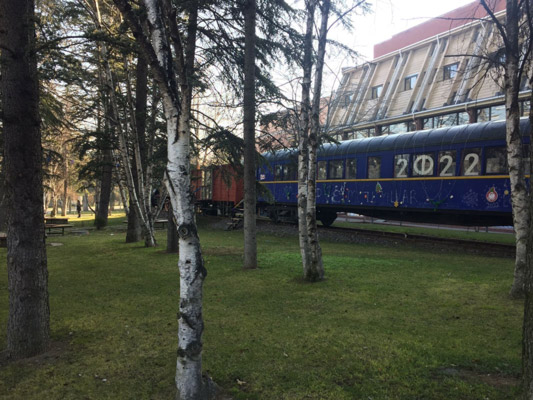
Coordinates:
[455,175]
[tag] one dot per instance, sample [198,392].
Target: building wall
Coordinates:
[437,68]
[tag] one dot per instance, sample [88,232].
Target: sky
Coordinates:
[387,18]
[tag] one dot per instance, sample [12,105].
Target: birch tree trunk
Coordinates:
[134,232]
[142,208]
[65,181]
[519,193]
[189,381]
[315,271]
[105,189]
[527,329]
[303,151]
[250,230]
[28,328]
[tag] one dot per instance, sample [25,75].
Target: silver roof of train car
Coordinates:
[479,132]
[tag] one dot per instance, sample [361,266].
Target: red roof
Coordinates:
[443,23]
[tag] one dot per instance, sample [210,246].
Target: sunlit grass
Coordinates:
[385,323]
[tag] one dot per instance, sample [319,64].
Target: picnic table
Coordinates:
[56,225]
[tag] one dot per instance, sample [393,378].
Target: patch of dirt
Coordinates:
[54,353]
[495,380]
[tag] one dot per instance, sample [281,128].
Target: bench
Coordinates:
[161,222]
[57,228]
[55,220]
[3,239]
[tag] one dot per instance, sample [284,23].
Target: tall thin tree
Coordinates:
[29,313]
[250,240]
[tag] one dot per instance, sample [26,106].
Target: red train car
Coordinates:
[217,189]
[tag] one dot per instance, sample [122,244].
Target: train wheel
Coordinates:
[327,218]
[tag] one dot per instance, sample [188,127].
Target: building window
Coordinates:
[497,113]
[398,128]
[450,71]
[348,99]
[409,82]
[494,113]
[376,91]
[463,118]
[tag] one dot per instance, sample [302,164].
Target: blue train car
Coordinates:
[448,175]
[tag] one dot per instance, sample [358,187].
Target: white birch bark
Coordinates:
[137,201]
[303,155]
[189,382]
[316,270]
[510,33]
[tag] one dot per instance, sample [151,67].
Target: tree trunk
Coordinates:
[106,183]
[172,234]
[514,146]
[527,332]
[134,232]
[316,267]
[303,150]
[28,328]
[176,104]
[65,181]
[3,199]
[250,229]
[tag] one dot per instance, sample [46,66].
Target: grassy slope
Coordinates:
[385,324]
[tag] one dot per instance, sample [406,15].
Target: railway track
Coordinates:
[357,235]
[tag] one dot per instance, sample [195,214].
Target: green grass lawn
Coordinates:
[388,322]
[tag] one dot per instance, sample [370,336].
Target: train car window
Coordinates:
[447,162]
[335,169]
[496,160]
[322,170]
[293,172]
[423,164]
[471,165]
[351,169]
[374,167]
[401,165]
[278,172]
[289,172]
